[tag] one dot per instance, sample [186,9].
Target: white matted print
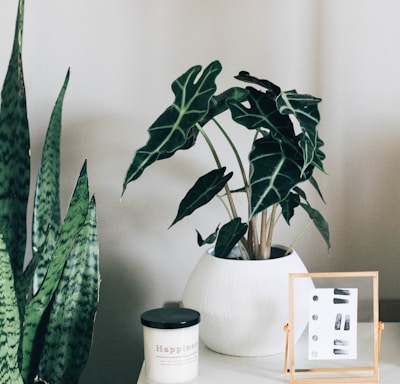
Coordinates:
[333,324]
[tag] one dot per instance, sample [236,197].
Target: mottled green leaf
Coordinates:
[174,128]
[228,236]
[14,156]
[46,210]
[69,332]
[204,189]
[35,310]
[9,321]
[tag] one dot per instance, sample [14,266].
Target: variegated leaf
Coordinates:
[173,130]
[36,309]
[9,321]
[69,332]
[46,210]
[14,157]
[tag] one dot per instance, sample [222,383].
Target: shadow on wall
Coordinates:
[117,351]
[369,229]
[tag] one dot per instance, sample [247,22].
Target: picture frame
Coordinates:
[341,342]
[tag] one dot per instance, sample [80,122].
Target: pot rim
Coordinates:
[210,252]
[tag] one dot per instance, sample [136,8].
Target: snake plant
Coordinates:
[280,157]
[47,307]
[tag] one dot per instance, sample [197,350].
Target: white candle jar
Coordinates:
[171,345]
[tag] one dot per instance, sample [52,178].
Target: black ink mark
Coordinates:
[338,321]
[340,301]
[347,323]
[341,292]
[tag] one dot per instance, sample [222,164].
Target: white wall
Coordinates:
[124,55]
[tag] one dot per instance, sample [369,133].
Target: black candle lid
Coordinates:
[170,318]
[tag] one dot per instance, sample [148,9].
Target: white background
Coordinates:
[123,56]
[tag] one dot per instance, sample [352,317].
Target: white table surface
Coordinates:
[215,368]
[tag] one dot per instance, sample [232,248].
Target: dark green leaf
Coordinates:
[205,188]
[218,104]
[69,332]
[14,156]
[273,174]
[36,309]
[172,130]
[319,222]
[288,206]
[228,236]
[209,240]
[46,210]
[9,321]
[305,109]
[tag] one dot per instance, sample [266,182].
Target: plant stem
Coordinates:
[270,231]
[263,236]
[301,233]
[218,162]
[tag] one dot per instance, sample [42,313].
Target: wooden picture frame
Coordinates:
[329,370]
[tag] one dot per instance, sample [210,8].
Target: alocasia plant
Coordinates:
[280,159]
[46,309]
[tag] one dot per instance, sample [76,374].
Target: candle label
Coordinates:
[171,355]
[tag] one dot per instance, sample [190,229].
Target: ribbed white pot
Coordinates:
[244,304]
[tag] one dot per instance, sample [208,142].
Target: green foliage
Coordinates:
[47,310]
[280,157]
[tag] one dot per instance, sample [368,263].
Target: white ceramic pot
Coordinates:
[244,304]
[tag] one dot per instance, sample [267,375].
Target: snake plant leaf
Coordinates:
[37,307]
[203,190]
[9,321]
[273,174]
[14,155]
[46,220]
[69,332]
[305,109]
[288,206]
[172,130]
[228,236]
[319,222]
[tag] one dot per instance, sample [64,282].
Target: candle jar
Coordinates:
[171,345]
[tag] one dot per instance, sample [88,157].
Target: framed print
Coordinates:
[342,339]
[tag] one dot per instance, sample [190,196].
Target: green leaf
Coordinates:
[228,236]
[69,332]
[319,222]
[273,174]
[46,221]
[173,130]
[205,188]
[14,156]
[36,309]
[288,206]
[218,104]
[9,321]
[210,239]
[262,113]
[305,109]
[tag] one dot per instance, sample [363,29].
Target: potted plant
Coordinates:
[281,157]
[47,308]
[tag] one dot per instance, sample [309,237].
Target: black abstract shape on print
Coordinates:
[341,292]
